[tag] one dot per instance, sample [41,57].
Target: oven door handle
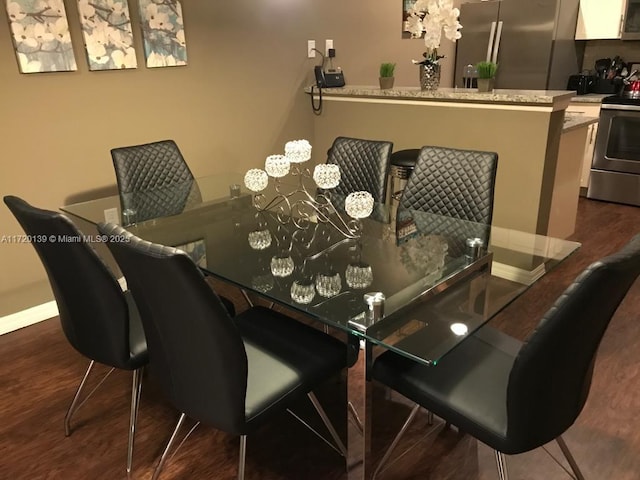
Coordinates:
[613,106]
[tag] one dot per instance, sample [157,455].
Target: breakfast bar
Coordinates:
[540,155]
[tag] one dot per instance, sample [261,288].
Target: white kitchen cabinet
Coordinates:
[600,19]
[590,110]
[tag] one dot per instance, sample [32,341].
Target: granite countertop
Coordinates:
[573,121]
[590,98]
[498,96]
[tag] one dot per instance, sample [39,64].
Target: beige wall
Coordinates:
[238,100]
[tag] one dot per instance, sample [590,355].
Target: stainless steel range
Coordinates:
[615,170]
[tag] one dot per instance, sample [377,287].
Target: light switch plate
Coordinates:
[111,216]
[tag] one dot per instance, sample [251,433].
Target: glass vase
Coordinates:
[430,76]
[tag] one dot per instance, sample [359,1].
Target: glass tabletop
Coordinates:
[438,286]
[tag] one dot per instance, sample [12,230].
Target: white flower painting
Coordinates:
[41,36]
[163,33]
[106,27]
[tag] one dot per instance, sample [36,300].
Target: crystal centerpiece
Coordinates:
[256,180]
[327,175]
[359,204]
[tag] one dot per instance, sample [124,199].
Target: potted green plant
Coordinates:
[486,75]
[386,75]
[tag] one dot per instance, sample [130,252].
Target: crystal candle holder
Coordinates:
[256,179]
[262,283]
[297,151]
[277,166]
[302,291]
[327,175]
[358,275]
[359,204]
[328,285]
[260,239]
[282,266]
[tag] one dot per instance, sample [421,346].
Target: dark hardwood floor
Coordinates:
[39,372]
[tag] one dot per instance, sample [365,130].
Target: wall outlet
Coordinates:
[111,216]
[311,45]
[327,45]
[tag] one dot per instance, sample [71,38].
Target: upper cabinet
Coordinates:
[600,19]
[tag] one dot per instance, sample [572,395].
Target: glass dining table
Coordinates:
[418,286]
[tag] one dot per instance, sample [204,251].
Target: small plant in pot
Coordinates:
[386,75]
[486,75]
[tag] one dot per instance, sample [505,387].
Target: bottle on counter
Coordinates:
[470,77]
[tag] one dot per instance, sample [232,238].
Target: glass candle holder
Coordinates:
[277,166]
[358,275]
[260,239]
[256,179]
[328,285]
[282,266]
[302,291]
[327,175]
[297,151]
[262,283]
[359,204]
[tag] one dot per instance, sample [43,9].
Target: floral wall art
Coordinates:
[41,35]
[106,27]
[163,33]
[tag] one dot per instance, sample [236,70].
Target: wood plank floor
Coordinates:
[39,372]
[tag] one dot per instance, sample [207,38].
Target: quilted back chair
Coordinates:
[99,320]
[452,183]
[154,180]
[363,165]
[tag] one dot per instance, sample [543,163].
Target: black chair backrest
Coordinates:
[153,179]
[550,379]
[454,183]
[92,307]
[364,165]
[195,350]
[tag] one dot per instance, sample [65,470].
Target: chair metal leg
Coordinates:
[501,462]
[75,406]
[165,453]
[246,297]
[387,454]
[136,388]
[327,423]
[243,456]
[355,417]
[569,457]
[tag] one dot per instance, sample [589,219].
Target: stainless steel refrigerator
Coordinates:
[531,40]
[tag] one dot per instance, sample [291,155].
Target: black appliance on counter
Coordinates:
[582,84]
[615,170]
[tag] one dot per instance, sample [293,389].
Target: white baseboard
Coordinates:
[36,314]
[27,317]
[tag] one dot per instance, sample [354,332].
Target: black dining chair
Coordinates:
[514,396]
[153,180]
[99,320]
[450,182]
[364,165]
[230,373]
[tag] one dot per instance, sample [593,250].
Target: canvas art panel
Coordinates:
[41,36]
[106,27]
[163,33]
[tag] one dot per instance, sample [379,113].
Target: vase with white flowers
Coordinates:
[432,18]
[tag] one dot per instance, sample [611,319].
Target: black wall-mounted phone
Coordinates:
[328,79]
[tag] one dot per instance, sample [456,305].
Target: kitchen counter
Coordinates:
[536,148]
[590,98]
[573,121]
[559,99]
